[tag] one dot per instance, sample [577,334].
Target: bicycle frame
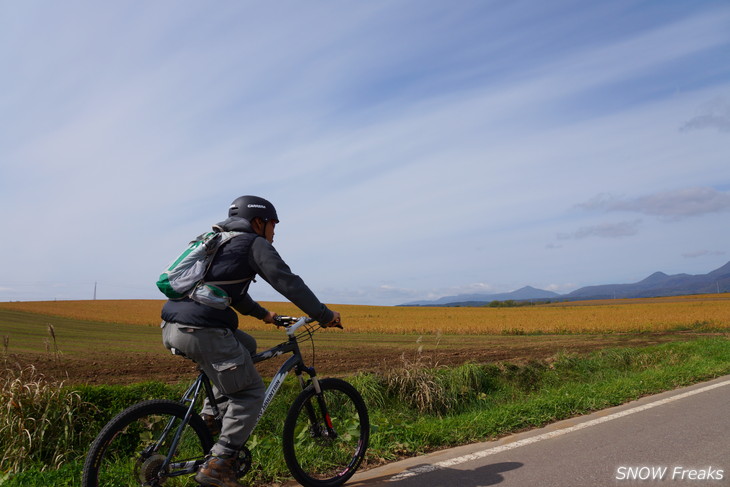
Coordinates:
[294,362]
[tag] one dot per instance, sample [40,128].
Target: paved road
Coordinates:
[675,439]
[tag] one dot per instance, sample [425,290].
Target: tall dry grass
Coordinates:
[423,384]
[37,420]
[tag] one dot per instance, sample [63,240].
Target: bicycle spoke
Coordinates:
[321,449]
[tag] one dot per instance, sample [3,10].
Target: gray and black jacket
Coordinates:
[242,258]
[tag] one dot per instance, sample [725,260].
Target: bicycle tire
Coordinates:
[318,456]
[122,454]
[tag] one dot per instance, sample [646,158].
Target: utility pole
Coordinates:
[94,290]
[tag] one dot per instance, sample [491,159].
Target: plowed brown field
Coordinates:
[119,367]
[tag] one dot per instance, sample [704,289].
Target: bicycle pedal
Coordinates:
[244,461]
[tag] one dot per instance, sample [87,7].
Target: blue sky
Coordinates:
[414,149]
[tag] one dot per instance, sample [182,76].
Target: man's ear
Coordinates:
[257,225]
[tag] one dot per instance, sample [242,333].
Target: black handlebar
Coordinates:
[290,320]
[285,320]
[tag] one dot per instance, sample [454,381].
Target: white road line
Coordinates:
[546,436]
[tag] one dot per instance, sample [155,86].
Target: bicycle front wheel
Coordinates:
[326,435]
[133,448]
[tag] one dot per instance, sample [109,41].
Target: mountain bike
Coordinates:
[162,442]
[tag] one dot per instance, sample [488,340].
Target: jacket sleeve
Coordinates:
[264,258]
[247,306]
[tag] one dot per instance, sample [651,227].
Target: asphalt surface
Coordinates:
[676,438]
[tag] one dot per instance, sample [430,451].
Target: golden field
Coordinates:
[710,311]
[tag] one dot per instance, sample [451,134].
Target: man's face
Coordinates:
[264,228]
[269,230]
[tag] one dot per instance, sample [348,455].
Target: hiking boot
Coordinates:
[214,425]
[219,472]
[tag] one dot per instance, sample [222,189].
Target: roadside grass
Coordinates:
[532,395]
[415,408]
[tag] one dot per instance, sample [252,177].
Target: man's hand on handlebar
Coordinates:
[336,321]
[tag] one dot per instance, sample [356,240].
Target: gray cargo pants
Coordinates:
[225,357]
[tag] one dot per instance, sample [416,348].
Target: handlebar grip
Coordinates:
[284,320]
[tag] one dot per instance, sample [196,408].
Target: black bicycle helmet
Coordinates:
[250,207]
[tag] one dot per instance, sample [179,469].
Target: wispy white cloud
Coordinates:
[715,114]
[604,230]
[704,253]
[671,204]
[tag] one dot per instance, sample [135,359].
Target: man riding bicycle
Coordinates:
[211,337]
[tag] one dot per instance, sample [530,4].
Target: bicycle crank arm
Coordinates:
[184,468]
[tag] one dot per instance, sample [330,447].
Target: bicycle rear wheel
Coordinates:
[326,435]
[131,448]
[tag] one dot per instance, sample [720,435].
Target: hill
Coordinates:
[660,284]
[657,284]
[523,294]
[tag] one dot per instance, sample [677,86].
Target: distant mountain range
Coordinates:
[656,285]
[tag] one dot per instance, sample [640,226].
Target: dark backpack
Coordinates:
[185,276]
